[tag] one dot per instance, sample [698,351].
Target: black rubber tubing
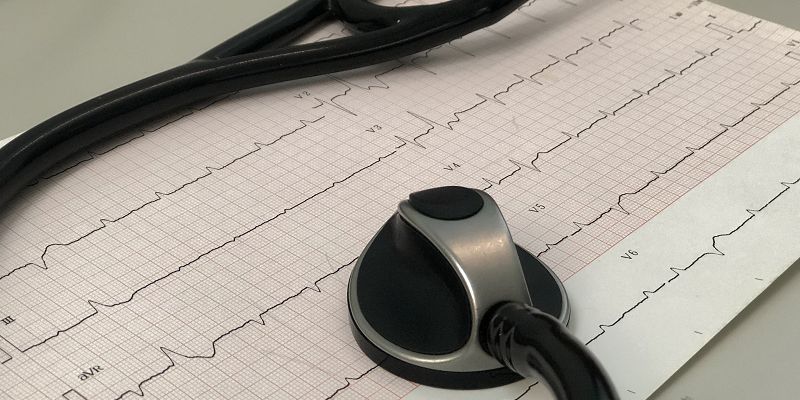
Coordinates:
[531,343]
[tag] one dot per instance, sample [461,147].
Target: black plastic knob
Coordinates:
[447,202]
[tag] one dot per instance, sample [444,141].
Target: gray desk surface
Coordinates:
[57,54]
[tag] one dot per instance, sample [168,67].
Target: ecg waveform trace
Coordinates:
[432,124]
[226,233]
[647,294]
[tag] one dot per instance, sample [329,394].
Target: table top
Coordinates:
[67,52]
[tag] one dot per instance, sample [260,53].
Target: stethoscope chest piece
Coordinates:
[420,290]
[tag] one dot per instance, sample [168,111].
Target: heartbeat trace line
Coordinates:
[658,174]
[605,115]
[332,102]
[257,321]
[716,252]
[600,40]
[728,31]
[351,380]
[104,222]
[377,77]
[413,62]
[94,304]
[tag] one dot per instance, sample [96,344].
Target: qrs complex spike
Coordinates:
[426,54]
[171,354]
[332,102]
[349,85]
[493,98]
[518,167]
[647,294]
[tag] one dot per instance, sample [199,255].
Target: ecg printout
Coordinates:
[207,255]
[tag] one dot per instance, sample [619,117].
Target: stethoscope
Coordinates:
[441,295]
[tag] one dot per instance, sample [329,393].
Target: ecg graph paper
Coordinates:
[207,255]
